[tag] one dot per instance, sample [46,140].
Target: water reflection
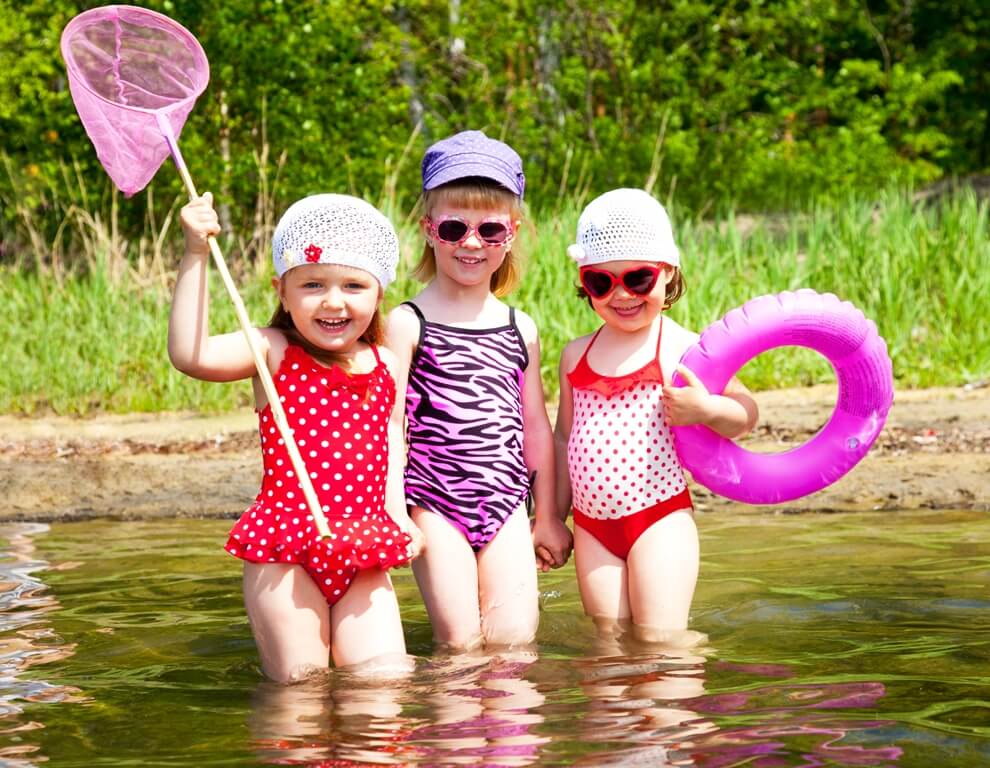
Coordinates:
[879,669]
[323,719]
[652,709]
[457,710]
[26,640]
[481,710]
[793,725]
[645,700]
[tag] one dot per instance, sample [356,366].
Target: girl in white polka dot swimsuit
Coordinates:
[309,597]
[635,541]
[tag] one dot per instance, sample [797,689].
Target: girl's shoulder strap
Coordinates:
[584,355]
[294,355]
[421,335]
[414,308]
[520,338]
[581,376]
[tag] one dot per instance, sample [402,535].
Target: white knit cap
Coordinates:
[336,229]
[624,225]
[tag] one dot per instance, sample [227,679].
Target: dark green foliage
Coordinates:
[747,104]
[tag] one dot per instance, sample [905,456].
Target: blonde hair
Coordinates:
[479,194]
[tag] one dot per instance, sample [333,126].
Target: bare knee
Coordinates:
[510,636]
[290,621]
[610,627]
[387,666]
[286,662]
[510,627]
[458,643]
[455,634]
[511,615]
[674,637]
[290,672]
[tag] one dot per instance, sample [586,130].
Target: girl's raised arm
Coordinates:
[226,357]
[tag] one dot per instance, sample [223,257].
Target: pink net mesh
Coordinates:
[134,76]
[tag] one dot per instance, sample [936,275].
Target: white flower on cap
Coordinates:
[624,225]
[336,229]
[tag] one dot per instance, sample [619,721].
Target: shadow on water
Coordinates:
[839,640]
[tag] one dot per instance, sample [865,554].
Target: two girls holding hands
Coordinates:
[477,428]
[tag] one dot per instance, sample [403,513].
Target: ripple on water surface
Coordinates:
[852,639]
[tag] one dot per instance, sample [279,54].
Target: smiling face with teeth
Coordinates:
[628,311]
[331,305]
[472,261]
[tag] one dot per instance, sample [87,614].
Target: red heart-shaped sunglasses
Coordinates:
[599,283]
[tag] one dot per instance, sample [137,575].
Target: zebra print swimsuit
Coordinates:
[465,426]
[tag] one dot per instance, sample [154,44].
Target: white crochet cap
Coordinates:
[336,229]
[624,225]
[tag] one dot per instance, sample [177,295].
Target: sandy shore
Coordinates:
[934,453]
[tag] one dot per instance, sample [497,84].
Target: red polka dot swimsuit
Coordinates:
[340,423]
[625,474]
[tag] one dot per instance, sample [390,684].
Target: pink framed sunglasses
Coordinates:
[599,283]
[454,230]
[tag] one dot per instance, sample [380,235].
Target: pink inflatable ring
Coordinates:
[805,318]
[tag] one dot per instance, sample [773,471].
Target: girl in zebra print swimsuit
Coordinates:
[476,422]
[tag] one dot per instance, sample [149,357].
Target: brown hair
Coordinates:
[675,289]
[480,194]
[374,334]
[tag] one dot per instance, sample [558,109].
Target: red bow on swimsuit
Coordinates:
[337,378]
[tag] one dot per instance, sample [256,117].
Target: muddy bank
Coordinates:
[934,453]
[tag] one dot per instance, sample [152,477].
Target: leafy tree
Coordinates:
[742,104]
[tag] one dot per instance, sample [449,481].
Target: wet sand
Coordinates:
[933,453]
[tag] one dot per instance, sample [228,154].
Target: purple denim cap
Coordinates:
[471,153]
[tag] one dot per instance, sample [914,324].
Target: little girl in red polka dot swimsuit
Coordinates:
[308,597]
[635,541]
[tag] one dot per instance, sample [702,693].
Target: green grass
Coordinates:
[88,344]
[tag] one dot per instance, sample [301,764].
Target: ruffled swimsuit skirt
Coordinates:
[340,424]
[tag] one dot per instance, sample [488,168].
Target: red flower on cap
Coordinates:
[313,253]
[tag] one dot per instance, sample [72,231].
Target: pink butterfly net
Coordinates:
[134,76]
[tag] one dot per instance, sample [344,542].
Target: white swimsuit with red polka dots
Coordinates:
[620,453]
[340,424]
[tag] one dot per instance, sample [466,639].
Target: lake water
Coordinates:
[834,640]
